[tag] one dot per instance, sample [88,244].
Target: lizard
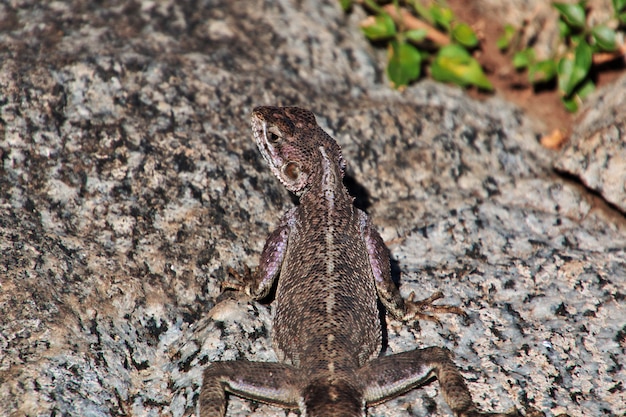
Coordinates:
[331,267]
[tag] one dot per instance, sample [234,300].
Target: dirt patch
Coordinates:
[543,104]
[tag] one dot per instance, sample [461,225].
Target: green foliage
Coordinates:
[454,64]
[443,44]
[504,42]
[442,16]
[572,66]
[464,35]
[524,58]
[604,38]
[619,6]
[411,45]
[415,35]
[572,14]
[380,27]
[542,71]
[423,12]
[404,63]
[572,71]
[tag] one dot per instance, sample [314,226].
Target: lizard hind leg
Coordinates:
[390,376]
[268,382]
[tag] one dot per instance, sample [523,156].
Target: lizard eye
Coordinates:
[273,134]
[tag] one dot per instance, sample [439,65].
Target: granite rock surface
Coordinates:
[596,152]
[129,183]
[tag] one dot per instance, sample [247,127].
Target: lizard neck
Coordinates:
[327,186]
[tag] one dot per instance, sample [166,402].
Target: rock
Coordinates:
[129,183]
[596,151]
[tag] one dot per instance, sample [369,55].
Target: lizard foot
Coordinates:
[475,413]
[533,412]
[513,412]
[426,310]
[240,282]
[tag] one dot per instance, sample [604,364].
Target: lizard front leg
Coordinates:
[387,289]
[269,382]
[259,284]
[273,383]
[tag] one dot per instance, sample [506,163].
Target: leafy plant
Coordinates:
[417,35]
[571,66]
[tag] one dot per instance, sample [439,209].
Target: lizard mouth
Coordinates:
[269,152]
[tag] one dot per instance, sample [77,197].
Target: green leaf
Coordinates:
[573,71]
[565,69]
[619,5]
[454,64]
[564,29]
[573,14]
[622,18]
[504,41]
[577,38]
[443,16]
[379,27]
[571,103]
[604,37]
[405,63]
[415,35]
[464,35]
[424,12]
[523,58]
[345,4]
[583,56]
[585,89]
[542,71]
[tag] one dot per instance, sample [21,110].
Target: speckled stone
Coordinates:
[596,151]
[129,182]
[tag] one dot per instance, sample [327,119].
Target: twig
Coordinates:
[411,22]
[604,57]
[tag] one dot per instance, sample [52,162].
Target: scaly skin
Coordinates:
[333,267]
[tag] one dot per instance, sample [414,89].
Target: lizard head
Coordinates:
[290,141]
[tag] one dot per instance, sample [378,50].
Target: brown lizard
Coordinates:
[333,267]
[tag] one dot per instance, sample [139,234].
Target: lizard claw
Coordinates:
[241,281]
[533,412]
[426,310]
[513,412]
